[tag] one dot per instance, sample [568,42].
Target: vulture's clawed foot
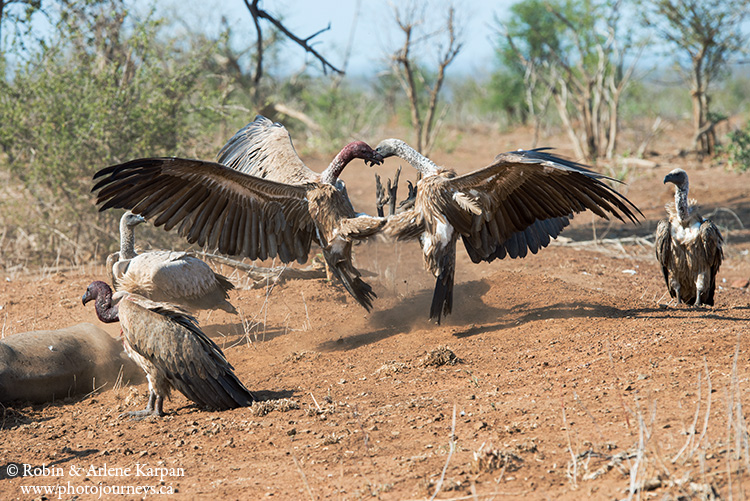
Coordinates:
[408,202]
[142,414]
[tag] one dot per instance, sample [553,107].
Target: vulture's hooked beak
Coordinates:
[669,178]
[375,159]
[86,297]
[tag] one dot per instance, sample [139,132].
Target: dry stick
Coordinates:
[740,430]
[708,408]
[619,393]
[366,440]
[304,478]
[316,403]
[120,376]
[593,419]
[308,323]
[452,447]
[570,445]
[724,209]
[638,458]
[729,440]
[691,430]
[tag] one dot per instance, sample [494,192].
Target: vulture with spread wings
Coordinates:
[248,207]
[511,207]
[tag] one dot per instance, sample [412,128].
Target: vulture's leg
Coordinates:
[328,271]
[676,289]
[408,202]
[699,286]
[159,407]
[153,408]
[388,196]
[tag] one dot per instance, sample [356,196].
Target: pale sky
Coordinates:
[375,33]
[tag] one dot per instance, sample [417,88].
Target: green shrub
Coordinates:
[105,89]
[737,149]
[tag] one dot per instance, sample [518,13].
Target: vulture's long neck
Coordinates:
[127,241]
[336,167]
[106,312]
[681,201]
[420,162]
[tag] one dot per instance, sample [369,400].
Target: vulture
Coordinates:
[166,342]
[508,208]
[168,276]
[265,203]
[688,247]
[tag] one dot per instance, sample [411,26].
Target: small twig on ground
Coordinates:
[120,375]
[570,445]
[452,447]
[708,409]
[316,403]
[591,416]
[304,477]
[640,455]
[691,430]
[622,402]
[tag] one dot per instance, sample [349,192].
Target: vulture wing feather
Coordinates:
[530,197]
[264,149]
[219,199]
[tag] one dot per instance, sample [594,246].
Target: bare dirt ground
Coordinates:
[571,380]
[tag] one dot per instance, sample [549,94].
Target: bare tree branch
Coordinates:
[403,66]
[253,8]
[258,13]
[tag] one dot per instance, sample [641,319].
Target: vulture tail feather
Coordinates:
[442,297]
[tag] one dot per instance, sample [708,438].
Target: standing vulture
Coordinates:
[688,247]
[512,206]
[168,345]
[247,215]
[117,262]
[168,276]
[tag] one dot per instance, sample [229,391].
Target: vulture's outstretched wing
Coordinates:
[214,205]
[521,200]
[264,149]
[171,340]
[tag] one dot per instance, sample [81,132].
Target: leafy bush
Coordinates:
[105,89]
[737,150]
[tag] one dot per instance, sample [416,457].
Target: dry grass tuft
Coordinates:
[331,439]
[391,367]
[261,408]
[487,460]
[12,418]
[297,356]
[442,355]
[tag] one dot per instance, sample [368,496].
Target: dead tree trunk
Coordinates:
[404,66]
